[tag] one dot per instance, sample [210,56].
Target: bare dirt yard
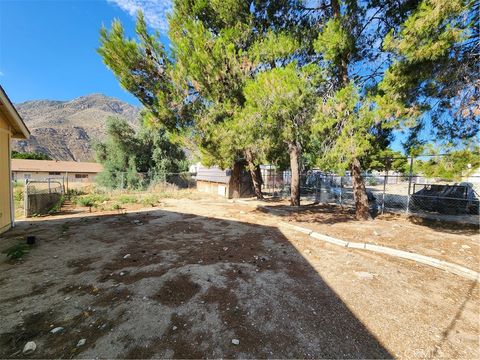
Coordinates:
[456,243]
[207,278]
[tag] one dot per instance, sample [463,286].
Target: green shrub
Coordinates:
[99,198]
[73,193]
[87,201]
[127,199]
[91,200]
[16,251]
[151,200]
[56,208]
[116,206]
[18,194]
[84,201]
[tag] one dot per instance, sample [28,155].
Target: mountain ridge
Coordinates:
[67,129]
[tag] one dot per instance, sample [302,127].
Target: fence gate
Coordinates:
[42,195]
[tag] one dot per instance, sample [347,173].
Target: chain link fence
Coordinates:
[143,181]
[410,192]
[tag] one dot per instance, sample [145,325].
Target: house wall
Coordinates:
[5,183]
[42,175]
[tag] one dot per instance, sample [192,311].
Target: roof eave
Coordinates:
[20,130]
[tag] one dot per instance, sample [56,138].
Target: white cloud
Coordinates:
[155,11]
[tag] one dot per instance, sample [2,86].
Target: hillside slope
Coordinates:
[66,130]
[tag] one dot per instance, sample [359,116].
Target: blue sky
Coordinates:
[48,48]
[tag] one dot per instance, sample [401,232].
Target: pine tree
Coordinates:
[279,108]
[144,69]
[219,46]
[437,65]
[349,44]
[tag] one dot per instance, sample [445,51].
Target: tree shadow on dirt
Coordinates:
[170,284]
[319,213]
[330,214]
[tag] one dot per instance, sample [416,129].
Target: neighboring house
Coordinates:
[70,171]
[219,182]
[11,126]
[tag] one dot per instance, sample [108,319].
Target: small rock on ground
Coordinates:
[30,347]
[235,341]
[57,330]
[81,342]
[363,275]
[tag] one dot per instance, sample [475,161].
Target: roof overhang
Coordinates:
[7,110]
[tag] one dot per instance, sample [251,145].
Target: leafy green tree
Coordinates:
[199,88]
[279,108]
[126,153]
[353,110]
[144,69]
[218,47]
[436,66]
[452,166]
[29,155]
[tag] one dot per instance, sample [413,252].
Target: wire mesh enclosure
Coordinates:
[40,196]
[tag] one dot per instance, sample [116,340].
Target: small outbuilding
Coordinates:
[11,126]
[216,181]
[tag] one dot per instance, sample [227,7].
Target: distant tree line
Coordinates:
[303,84]
[29,155]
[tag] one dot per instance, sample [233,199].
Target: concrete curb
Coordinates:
[422,259]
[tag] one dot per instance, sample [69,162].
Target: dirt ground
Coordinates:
[456,243]
[185,279]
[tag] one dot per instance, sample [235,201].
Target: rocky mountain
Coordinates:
[66,130]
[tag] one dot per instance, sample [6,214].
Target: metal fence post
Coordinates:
[274,176]
[49,188]
[341,191]
[320,189]
[385,179]
[25,199]
[409,183]
[66,175]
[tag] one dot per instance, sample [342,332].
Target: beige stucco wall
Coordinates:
[42,175]
[5,183]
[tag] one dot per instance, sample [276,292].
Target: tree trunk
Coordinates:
[362,211]
[235,180]
[255,174]
[294,152]
[342,65]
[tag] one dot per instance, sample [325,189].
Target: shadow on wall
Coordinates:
[207,280]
